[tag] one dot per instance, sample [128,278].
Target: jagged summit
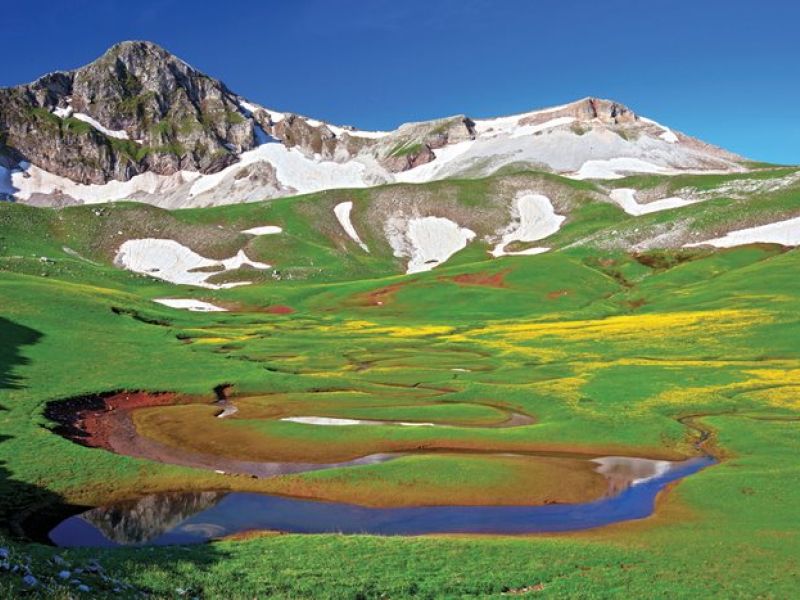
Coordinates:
[140,123]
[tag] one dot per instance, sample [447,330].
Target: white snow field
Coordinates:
[335,422]
[32,180]
[342,212]
[427,241]
[626,199]
[174,262]
[190,304]
[293,173]
[263,230]
[510,123]
[786,233]
[552,139]
[616,168]
[537,219]
[293,169]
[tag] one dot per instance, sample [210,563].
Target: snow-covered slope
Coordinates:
[537,220]
[626,198]
[342,212]
[785,233]
[426,241]
[171,261]
[587,139]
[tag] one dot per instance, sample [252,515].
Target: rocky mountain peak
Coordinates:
[140,109]
[136,108]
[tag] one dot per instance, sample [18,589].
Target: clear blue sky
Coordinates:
[727,71]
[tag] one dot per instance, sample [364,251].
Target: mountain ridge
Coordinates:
[150,127]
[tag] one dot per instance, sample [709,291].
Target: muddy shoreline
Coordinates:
[104,421]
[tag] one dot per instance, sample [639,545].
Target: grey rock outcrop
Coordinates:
[166,116]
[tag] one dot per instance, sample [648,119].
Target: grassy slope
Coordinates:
[606,351]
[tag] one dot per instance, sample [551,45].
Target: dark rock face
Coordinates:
[174,117]
[139,109]
[295,131]
[419,140]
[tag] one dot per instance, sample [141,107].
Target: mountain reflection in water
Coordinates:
[143,520]
[196,517]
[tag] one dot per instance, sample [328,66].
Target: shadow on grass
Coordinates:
[20,500]
[12,337]
[29,512]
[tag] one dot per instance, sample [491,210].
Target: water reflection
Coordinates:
[621,472]
[145,519]
[194,517]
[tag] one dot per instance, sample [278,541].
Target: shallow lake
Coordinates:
[195,517]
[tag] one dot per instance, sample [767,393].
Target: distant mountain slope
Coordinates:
[347,235]
[141,124]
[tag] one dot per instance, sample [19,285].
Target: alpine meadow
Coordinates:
[247,353]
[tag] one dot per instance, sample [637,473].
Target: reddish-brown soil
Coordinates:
[556,294]
[495,280]
[379,297]
[85,420]
[279,309]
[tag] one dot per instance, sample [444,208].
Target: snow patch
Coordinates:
[263,230]
[293,169]
[62,113]
[342,212]
[785,233]
[190,304]
[32,180]
[626,199]
[615,168]
[666,133]
[119,134]
[532,129]
[295,172]
[669,137]
[174,262]
[374,135]
[537,220]
[507,125]
[427,241]
[249,108]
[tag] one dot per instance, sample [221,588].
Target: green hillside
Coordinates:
[613,341]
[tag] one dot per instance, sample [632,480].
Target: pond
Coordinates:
[196,517]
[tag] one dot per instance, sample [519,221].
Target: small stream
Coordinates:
[196,517]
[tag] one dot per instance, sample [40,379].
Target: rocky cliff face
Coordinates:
[139,110]
[135,109]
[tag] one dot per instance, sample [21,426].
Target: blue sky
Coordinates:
[727,71]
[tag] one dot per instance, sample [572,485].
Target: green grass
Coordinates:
[406,148]
[606,348]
